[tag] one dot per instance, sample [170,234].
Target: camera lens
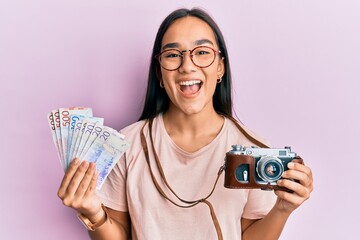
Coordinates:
[269,168]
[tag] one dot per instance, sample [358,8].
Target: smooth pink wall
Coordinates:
[296,69]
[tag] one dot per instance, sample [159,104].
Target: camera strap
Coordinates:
[246,134]
[189,203]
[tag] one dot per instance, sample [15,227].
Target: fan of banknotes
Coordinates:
[78,134]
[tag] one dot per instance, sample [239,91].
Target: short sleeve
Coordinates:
[113,191]
[258,204]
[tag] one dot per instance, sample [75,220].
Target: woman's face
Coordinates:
[191,88]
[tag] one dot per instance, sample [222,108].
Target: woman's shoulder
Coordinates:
[133,128]
[253,137]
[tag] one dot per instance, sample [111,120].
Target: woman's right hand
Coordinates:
[77,189]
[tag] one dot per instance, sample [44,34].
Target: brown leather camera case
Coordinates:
[233,161]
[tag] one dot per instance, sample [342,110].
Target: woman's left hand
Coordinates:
[288,202]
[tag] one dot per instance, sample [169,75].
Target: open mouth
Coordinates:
[190,87]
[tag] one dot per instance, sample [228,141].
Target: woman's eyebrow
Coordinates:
[196,43]
[170,45]
[202,41]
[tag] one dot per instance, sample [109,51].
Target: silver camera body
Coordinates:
[269,163]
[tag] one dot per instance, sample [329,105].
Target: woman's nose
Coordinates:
[187,63]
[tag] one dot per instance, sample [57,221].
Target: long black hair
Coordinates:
[157,101]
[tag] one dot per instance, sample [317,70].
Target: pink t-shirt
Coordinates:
[130,188]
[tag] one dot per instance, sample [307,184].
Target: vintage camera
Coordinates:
[254,167]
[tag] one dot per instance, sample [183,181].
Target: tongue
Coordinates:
[190,89]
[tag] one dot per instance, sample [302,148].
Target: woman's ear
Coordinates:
[221,68]
[158,74]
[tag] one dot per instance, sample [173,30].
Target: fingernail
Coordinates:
[290,164]
[76,161]
[92,165]
[85,164]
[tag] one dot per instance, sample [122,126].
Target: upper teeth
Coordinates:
[188,83]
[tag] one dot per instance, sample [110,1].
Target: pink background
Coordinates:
[296,68]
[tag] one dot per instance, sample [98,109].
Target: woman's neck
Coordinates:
[192,132]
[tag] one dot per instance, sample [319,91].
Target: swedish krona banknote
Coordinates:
[77,133]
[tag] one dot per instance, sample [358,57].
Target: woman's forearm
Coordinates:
[116,227]
[268,228]
[109,231]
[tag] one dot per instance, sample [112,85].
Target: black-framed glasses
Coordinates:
[201,56]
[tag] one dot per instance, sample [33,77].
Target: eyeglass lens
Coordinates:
[202,57]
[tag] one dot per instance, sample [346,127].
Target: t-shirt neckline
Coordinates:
[180,150]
